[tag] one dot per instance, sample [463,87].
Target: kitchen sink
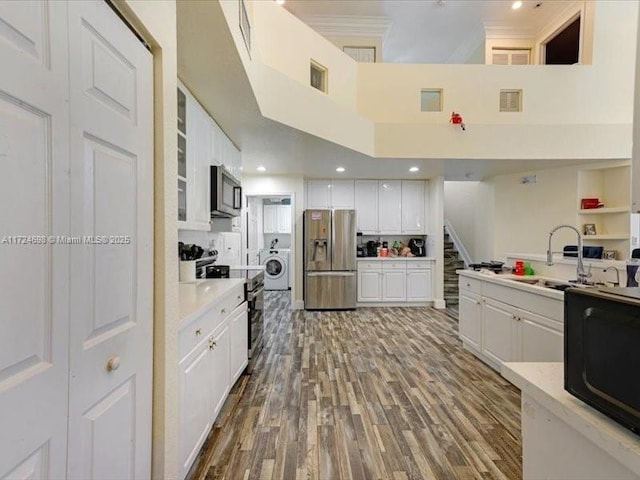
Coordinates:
[553,284]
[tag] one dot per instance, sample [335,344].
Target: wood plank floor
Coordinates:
[378,393]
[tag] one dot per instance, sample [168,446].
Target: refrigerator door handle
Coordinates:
[331,274]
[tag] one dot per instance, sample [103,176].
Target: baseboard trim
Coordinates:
[440,304]
[393,304]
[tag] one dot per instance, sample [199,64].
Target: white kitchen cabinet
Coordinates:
[214,351]
[277,219]
[542,339]
[270,219]
[413,208]
[342,194]
[394,286]
[470,319]
[220,367]
[284,219]
[366,204]
[389,206]
[201,143]
[419,285]
[394,281]
[499,331]
[195,403]
[369,282]
[337,194]
[318,192]
[199,159]
[239,341]
[497,323]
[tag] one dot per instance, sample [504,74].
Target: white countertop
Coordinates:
[196,297]
[506,279]
[386,259]
[562,260]
[544,383]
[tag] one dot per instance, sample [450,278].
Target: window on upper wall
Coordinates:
[563,48]
[431,100]
[505,56]
[361,54]
[318,77]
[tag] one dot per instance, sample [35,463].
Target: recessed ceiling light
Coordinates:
[261,169]
[340,169]
[280,2]
[414,169]
[516,5]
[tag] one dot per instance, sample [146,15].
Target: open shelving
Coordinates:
[612,186]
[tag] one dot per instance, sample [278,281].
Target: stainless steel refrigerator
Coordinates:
[329,259]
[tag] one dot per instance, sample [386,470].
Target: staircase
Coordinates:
[452,262]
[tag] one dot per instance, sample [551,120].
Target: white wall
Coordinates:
[524,214]
[284,185]
[156,21]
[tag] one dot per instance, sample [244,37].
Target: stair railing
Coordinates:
[448,228]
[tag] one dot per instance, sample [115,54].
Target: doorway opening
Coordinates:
[563,47]
[269,238]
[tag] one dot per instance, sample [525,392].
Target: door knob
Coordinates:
[113,364]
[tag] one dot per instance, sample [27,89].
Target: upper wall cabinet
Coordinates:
[413,207]
[391,207]
[338,194]
[201,143]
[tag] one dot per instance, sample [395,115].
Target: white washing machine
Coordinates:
[276,268]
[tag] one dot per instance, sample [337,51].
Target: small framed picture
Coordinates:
[609,255]
[590,229]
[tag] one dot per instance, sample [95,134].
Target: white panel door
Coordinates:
[499,331]
[470,316]
[419,286]
[34,277]
[394,286]
[540,343]
[318,193]
[195,403]
[199,157]
[389,206]
[111,140]
[270,219]
[238,342]
[413,207]
[284,219]
[369,286]
[366,204]
[342,194]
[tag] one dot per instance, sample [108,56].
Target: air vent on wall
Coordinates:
[510,100]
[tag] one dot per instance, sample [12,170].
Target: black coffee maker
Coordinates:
[417,247]
[372,249]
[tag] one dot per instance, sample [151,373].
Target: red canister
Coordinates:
[519,270]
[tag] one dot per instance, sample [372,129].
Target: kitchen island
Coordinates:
[563,437]
[509,318]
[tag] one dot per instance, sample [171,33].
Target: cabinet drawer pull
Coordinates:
[468,285]
[223,311]
[212,344]
[239,297]
[113,364]
[198,331]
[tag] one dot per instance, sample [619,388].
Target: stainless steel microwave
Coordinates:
[226,194]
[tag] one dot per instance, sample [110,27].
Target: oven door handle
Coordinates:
[252,295]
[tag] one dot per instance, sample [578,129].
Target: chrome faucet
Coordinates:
[617,284]
[580,272]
